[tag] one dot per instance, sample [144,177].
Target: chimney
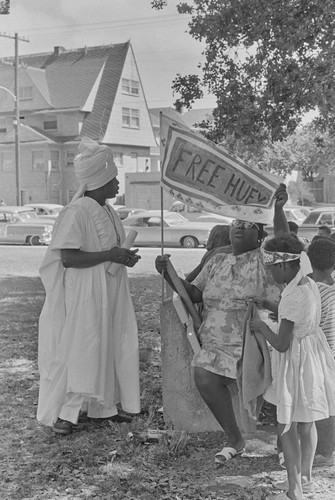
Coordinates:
[58,50]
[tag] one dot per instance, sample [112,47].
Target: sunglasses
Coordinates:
[244,224]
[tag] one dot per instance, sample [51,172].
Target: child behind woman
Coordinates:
[303,368]
[321,253]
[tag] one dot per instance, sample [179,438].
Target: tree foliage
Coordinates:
[308,150]
[267,62]
[189,87]
[4,6]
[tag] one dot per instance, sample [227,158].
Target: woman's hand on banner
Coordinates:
[281,196]
[161,262]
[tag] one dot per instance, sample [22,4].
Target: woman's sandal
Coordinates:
[227,453]
[63,427]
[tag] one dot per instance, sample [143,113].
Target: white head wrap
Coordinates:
[94,166]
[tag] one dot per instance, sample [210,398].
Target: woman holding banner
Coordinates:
[224,285]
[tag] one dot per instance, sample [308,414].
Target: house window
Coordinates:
[70,194]
[130,118]
[3,125]
[25,93]
[54,158]
[69,158]
[7,161]
[50,125]
[38,160]
[131,87]
[118,159]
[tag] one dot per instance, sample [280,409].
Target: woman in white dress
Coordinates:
[88,345]
[303,367]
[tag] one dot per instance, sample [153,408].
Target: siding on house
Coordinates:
[66,95]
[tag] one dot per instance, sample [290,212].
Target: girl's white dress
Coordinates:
[303,386]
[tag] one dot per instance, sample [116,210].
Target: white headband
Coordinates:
[271,258]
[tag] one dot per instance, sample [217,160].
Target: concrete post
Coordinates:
[183,406]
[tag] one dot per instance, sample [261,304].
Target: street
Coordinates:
[25,260]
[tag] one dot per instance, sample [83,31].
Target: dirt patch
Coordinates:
[113,461]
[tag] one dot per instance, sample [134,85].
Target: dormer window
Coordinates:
[50,124]
[131,87]
[26,93]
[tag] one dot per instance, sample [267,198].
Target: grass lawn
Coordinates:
[110,461]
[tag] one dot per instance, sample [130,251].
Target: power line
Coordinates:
[15,37]
[181,52]
[121,23]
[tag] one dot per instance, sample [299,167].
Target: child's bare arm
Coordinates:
[264,303]
[281,341]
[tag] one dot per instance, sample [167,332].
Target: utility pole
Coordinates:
[17,114]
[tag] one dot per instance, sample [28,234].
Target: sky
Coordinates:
[160,41]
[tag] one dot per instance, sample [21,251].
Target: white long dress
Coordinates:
[88,342]
[303,377]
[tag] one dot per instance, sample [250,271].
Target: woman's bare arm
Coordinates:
[80,259]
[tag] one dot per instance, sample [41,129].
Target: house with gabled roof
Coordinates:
[63,96]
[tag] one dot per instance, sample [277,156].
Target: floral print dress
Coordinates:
[227,281]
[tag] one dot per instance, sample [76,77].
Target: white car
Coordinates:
[21,226]
[296,213]
[216,218]
[178,231]
[47,210]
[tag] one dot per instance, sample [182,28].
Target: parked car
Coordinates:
[178,231]
[124,211]
[321,216]
[218,219]
[190,213]
[296,213]
[21,225]
[195,214]
[48,210]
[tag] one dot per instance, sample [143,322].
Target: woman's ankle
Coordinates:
[237,444]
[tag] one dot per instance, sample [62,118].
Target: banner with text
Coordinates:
[199,173]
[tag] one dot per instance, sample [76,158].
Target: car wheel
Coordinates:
[190,242]
[34,240]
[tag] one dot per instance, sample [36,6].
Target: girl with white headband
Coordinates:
[88,345]
[303,367]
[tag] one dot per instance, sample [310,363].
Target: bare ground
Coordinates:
[115,461]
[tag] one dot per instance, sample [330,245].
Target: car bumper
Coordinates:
[45,239]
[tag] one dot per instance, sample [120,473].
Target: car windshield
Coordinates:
[298,214]
[312,218]
[55,211]
[174,219]
[25,215]
[306,211]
